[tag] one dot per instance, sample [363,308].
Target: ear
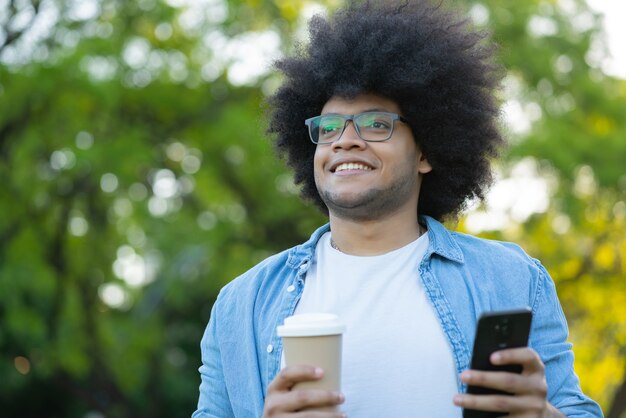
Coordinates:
[423,166]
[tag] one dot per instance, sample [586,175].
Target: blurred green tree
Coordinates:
[573,126]
[137,182]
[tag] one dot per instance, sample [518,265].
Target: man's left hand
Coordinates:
[528,390]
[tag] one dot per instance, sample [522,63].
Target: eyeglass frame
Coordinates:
[348,118]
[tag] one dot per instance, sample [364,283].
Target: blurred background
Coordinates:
[137,181]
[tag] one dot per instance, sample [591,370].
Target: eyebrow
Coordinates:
[373,109]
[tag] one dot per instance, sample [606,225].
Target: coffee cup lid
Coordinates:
[311,324]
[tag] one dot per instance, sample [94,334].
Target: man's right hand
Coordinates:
[282,401]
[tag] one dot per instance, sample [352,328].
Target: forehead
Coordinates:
[359,103]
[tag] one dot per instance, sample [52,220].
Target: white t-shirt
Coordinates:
[397,361]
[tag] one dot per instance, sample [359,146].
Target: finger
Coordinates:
[318,414]
[520,415]
[527,357]
[508,382]
[291,375]
[299,399]
[501,403]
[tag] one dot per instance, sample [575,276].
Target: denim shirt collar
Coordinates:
[440,243]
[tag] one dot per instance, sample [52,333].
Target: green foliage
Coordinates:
[137,181]
[130,198]
[552,53]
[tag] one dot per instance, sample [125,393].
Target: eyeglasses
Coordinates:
[370,126]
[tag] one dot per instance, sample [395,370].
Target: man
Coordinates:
[389,123]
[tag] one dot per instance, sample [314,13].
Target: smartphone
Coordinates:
[497,330]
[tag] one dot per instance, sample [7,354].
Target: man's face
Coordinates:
[362,180]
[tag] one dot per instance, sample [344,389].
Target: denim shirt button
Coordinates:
[291,288]
[270,348]
[304,266]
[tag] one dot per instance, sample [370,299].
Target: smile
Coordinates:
[352,166]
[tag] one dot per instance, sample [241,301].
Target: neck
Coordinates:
[368,238]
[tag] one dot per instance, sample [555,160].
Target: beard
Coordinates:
[371,204]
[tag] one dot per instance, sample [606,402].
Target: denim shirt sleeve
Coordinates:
[549,338]
[473,275]
[213,401]
[240,341]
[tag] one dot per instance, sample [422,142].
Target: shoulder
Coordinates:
[492,271]
[469,249]
[504,269]
[499,259]
[474,246]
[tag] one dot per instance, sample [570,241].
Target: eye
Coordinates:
[374,121]
[329,126]
[378,124]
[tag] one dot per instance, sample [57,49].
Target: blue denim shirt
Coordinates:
[463,276]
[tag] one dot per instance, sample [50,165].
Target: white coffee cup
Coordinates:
[314,339]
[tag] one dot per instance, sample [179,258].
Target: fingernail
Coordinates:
[318,372]
[466,375]
[496,358]
[340,397]
[458,399]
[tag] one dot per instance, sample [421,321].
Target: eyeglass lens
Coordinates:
[370,126]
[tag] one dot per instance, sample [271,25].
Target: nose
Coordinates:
[349,138]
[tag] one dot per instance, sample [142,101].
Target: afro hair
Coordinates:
[438,70]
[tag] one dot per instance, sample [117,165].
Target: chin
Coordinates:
[345,200]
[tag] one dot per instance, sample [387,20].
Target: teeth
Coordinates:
[352,166]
